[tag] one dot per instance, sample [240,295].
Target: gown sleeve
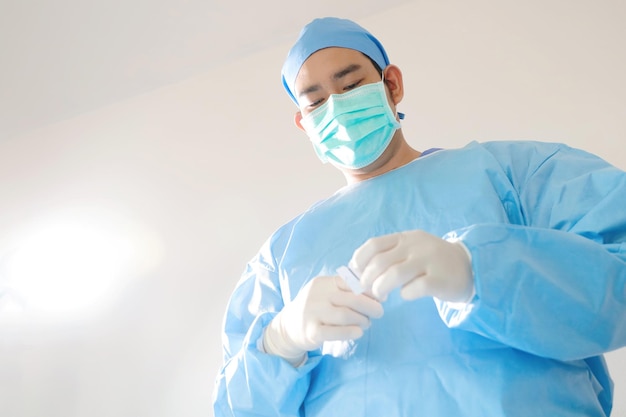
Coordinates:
[251,382]
[554,286]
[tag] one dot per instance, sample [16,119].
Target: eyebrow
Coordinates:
[336,76]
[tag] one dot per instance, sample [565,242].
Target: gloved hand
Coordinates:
[324,310]
[418,263]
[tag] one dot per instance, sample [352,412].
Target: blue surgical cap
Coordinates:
[329,32]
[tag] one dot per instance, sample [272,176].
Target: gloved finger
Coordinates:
[449,277]
[383,261]
[369,294]
[343,316]
[360,303]
[330,333]
[396,276]
[453,288]
[362,256]
[341,284]
[417,288]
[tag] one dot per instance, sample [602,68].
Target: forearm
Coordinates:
[253,383]
[537,288]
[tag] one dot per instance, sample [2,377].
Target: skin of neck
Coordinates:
[397,154]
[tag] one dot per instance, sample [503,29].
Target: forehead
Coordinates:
[323,64]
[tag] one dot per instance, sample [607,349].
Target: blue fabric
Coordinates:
[430,150]
[324,33]
[546,228]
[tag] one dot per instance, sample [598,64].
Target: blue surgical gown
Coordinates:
[546,228]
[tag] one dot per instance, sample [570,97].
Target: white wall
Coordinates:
[208,168]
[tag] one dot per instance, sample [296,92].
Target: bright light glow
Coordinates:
[71,266]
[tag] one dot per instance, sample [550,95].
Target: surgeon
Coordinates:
[490,279]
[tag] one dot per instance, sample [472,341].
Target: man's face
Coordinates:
[331,71]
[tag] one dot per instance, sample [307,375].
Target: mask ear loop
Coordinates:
[400,115]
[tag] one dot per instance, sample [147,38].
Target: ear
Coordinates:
[393,81]
[297,119]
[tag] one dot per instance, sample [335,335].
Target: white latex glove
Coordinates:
[418,263]
[324,310]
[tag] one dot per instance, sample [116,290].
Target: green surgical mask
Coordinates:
[353,129]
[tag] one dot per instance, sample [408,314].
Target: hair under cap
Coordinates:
[324,33]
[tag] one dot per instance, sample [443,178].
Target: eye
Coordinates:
[315,103]
[353,85]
